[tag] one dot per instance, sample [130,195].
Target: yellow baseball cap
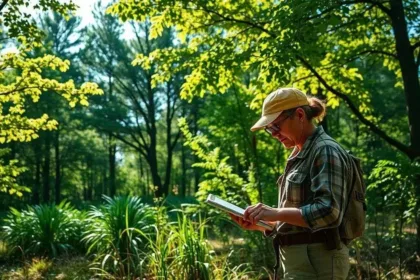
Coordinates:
[277,102]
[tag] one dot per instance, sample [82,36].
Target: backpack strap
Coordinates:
[353,183]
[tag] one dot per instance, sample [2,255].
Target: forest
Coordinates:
[113,133]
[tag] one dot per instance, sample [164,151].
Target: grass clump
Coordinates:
[44,230]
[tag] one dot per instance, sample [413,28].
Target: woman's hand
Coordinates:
[245,224]
[261,211]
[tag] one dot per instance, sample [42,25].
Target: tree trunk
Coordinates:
[417,213]
[85,182]
[183,189]
[409,71]
[169,144]
[46,169]
[152,155]
[37,184]
[112,149]
[90,182]
[195,117]
[254,150]
[324,123]
[57,167]
[141,175]
[157,182]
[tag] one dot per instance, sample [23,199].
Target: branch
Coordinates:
[3,4]
[415,46]
[400,146]
[378,4]
[22,89]
[140,133]
[379,52]
[175,140]
[122,139]
[232,19]
[142,144]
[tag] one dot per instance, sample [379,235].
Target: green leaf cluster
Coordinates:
[220,178]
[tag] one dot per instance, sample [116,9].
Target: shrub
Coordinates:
[192,250]
[117,235]
[44,230]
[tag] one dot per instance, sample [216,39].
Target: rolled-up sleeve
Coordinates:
[329,188]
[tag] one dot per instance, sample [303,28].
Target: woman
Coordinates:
[312,189]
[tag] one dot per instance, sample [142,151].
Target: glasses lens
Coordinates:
[272,129]
[268,130]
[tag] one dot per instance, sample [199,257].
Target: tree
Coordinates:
[137,105]
[278,40]
[23,81]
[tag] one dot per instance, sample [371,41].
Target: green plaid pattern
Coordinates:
[316,181]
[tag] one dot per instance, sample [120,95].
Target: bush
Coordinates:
[192,251]
[117,235]
[44,230]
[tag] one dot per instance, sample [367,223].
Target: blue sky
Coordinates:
[85,12]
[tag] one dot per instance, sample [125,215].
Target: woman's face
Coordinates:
[290,128]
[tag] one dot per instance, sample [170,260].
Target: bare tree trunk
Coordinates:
[409,69]
[400,242]
[378,246]
[57,167]
[183,190]
[417,213]
[255,152]
[320,94]
[112,147]
[46,169]
[37,184]
[90,181]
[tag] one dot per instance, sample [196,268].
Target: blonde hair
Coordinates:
[315,110]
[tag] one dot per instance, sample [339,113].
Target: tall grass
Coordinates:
[179,249]
[224,269]
[44,230]
[117,236]
[130,239]
[125,239]
[193,256]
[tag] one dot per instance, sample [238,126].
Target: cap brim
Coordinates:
[265,120]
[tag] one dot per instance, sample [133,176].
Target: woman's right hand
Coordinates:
[245,224]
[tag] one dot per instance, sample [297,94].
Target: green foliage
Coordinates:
[225,39]
[393,187]
[117,235]
[44,230]
[67,268]
[17,18]
[226,270]
[8,175]
[39,268]
[221,180]
[24,79]
[193,258]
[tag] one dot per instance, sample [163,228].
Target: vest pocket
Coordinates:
[295,189]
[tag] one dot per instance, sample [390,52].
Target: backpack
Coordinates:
[353,223]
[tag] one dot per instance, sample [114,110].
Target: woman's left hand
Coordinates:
[260,211]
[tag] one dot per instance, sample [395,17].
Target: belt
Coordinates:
[302,238]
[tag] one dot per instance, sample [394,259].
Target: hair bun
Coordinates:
[318,108]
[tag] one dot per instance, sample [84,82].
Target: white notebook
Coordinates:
[233,209]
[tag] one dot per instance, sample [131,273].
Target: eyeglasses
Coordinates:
[275,127]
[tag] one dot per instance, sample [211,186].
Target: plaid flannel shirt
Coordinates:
[315,181]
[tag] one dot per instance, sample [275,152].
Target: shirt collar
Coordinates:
[308,143]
